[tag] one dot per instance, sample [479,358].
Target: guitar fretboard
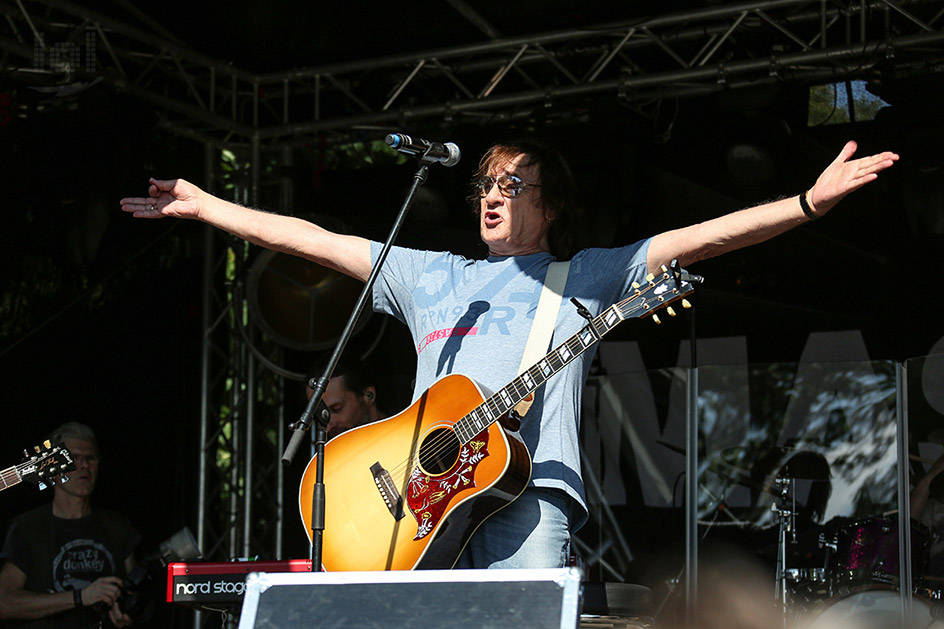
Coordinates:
[9,477]
[643,301]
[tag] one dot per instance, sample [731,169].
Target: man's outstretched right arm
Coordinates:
[178,198]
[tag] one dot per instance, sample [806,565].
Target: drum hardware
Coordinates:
[798,575]
[830,548]
[801,588]
[787,526]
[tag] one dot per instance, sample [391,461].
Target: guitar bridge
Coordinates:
[388,491]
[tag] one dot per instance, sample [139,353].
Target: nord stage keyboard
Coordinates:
[217,584]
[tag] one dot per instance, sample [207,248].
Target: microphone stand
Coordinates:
[321,383]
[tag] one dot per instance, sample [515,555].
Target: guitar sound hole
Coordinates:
[439,451]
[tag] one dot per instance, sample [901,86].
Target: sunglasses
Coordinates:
[510,186]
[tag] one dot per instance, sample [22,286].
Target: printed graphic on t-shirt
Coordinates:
[442,334]
[491,306]
[80,562]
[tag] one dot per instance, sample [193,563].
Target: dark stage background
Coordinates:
[101,312]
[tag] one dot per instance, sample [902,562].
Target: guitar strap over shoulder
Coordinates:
[543,325]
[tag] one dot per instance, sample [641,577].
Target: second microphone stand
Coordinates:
[321,383]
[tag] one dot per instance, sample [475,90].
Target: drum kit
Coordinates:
[857,583]
[846,573]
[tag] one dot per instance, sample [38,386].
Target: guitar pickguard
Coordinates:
[429,496]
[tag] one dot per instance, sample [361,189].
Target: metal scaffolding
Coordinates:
[240,510]
[711,49]
[716,48]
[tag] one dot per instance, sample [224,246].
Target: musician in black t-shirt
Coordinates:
[63,563]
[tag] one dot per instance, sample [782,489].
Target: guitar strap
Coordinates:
[543,325]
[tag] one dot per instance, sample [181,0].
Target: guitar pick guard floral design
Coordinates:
[429,496]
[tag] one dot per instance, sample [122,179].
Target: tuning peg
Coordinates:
[47,444]
[670,310]
[656,318]
[686,303]
[650,277]
[64,479]
[36,448]
[635,285]
[42,485]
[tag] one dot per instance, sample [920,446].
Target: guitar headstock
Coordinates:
[672,284]
[45,464]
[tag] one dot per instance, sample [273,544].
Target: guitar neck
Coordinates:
[506,398]
[645,300]
[10,477]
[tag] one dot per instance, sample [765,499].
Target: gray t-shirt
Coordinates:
[474,317]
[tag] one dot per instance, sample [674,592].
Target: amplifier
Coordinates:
[220,584]
[460,599]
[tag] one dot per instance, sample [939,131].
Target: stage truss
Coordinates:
[720,47]
[64,47]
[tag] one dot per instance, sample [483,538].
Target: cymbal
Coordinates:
[722,467]
[802,464]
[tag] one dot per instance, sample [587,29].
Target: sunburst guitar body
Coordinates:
[407,492]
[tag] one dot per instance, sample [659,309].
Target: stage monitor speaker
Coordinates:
[459,599]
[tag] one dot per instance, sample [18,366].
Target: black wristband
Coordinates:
[77,595]
[805,206]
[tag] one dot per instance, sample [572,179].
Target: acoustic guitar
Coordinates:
[408,491]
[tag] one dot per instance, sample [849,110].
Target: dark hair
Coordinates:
[356,374]
[558,191]
[815,467]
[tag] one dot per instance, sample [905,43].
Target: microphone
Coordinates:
[446,154]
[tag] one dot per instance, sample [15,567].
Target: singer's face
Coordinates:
[514,226]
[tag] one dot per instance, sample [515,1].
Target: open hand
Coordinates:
[166,197]
[844,176]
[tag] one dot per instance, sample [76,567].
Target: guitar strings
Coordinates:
[441,443]
[15,473]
